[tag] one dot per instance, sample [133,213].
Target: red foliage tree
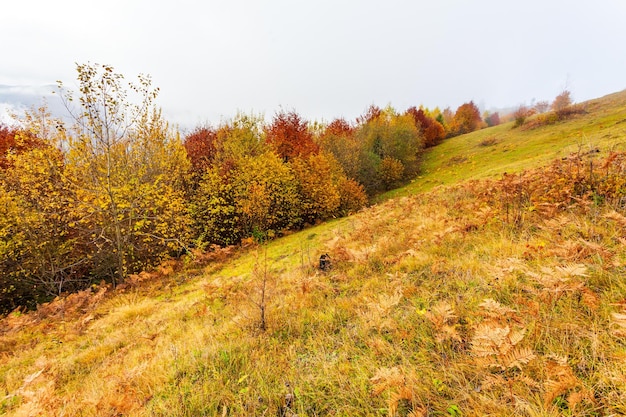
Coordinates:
[432,131]
[289,135]
[201,146]
[492,119]
[422,121]
[372,112]
[339,127]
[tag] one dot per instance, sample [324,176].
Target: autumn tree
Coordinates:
[431,129]
[541,106]
[128,168]
[200,146]
[15,141]
[492,119]
[213,203]
[42,252]
[371,113]
[522,113]
[561,103]
[248,189]
[466,119]
[318,177]
[339,139]
[390,137]
[289,136]
[7,143]
[266,195]
[45,238]
[213,209]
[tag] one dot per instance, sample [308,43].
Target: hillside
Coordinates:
[501,295]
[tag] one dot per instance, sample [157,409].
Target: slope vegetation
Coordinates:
[498,296]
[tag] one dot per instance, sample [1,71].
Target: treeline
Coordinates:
[120,190]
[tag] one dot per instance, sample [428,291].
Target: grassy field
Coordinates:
[451,297]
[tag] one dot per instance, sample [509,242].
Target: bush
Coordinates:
[391,172]
[353,196]
[521,114]
[562,102]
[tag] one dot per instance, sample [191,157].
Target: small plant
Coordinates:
[444,322]
[490,141]
[563,387]
[497,348]
[402,392]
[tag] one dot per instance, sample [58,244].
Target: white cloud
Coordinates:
[326,58]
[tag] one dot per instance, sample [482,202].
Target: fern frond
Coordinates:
[557,360]
[403,394]
[417,412]
[517,358]
[561,378]
[555,388]
[493,380]
[386,378]
[516,336]
[619,320]
[577,397]
[526,380]
[448,332]
[440,314]
[615,216]
[573,270]
[590,299]
[489,340]
[386,302]
[495,309]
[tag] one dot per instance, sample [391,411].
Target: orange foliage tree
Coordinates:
[290,137]
[466,119]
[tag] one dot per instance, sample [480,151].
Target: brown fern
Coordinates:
[444,321]
[561,379]
[401,386]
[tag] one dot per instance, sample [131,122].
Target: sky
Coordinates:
[324,59]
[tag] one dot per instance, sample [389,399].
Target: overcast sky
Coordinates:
[323,58]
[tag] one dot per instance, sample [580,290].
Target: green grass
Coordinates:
[394,329]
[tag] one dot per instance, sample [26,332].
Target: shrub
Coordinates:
[562,102]
[317,177]
[353,196]
[521,114]
[391,172]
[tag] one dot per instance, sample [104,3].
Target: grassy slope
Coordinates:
[396,327]
[463,157]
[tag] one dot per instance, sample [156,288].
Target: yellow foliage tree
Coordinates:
[128,169]
[318,176]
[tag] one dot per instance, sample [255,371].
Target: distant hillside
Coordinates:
[468,292]
[488,153]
